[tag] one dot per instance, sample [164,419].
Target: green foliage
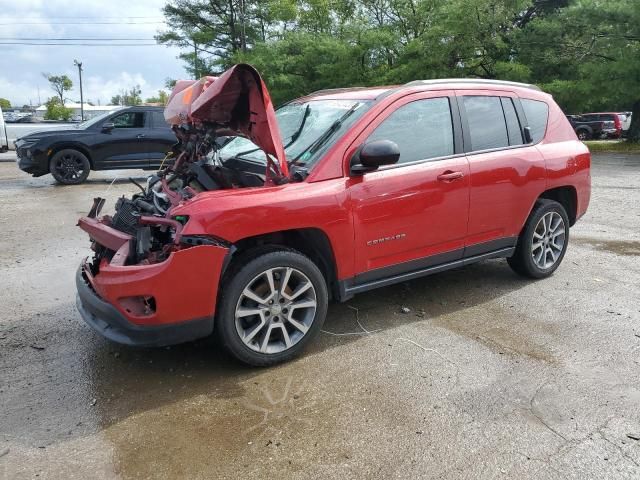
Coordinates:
[59,84]
[4,103]
[162,98]
[56,110]
[585,52]
[129,97]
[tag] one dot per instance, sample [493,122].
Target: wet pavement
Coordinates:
[487,376]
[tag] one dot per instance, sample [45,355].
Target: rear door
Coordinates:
[506,175]
[124,145]
[412,215]
[159,138]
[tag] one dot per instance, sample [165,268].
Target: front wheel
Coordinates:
[272,307]
[69,166]
[543,241]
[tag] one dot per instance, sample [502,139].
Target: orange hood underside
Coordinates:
[237,100]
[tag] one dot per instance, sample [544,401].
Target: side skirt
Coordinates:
[348,289]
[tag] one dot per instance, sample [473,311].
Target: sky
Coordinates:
[106,69]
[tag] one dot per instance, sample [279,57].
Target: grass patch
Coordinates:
[617,146]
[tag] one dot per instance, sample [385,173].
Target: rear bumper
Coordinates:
[105,319]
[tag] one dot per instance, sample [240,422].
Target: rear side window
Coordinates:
[487,126]
[514,131]
[158,120]
[129,120]
[537,114]
[422,130]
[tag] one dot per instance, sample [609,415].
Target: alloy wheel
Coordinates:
[69,167]
[548,240]
[275,310]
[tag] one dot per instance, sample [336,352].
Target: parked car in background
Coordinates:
[625,118]
[614,117]
[588,128]
[4,139]
[363,188]
[130,137]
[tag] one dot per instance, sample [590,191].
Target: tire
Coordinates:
[69,167]
[583,134]
[543,241]
[279,332]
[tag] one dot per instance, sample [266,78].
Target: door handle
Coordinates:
[450,176]
[140,135]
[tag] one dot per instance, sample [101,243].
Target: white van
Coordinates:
[4,139]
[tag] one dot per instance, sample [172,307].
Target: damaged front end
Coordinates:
[145,275]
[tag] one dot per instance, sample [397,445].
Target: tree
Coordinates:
[60,84]
[585,52]
[162,98]
[4,103]
[129,97]
[56,110]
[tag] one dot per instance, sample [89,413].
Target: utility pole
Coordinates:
[79,65]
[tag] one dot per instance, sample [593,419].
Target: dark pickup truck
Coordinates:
[130,137]
[589,127]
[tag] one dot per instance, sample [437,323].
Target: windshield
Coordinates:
[96,119]
[302,125]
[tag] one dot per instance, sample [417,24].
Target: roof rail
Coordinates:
[440,81]
[334,90]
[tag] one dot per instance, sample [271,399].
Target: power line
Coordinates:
[82,23]
[86,44]
[19,39]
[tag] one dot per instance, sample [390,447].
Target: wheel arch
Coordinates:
[312,242]
[567,196]
[52,150]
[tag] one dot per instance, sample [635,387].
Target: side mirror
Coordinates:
[528,138]
[107,127]
[373,155]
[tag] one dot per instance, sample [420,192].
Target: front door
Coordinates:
[123,146]
[412,215]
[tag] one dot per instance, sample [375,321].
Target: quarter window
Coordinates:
[129,120]
[487,126]
[537,114]
[422,129]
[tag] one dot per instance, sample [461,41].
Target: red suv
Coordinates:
[334,194]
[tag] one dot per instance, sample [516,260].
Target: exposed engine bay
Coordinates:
[203,114]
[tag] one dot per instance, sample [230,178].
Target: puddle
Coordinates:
[619,247]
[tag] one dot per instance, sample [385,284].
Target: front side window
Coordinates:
[537,114]
[129,120]
[422,129]
[487,126]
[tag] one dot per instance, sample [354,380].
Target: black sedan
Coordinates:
[130,137]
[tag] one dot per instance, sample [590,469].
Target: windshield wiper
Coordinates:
[297,133]
[292,139]
[315,146]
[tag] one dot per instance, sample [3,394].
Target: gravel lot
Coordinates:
[487,376]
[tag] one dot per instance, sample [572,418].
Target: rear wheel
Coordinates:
[583,134]
[543,242]
[271,307]
[69,166]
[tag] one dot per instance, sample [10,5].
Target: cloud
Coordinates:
[107,70]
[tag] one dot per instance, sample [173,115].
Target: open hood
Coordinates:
[237,100]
